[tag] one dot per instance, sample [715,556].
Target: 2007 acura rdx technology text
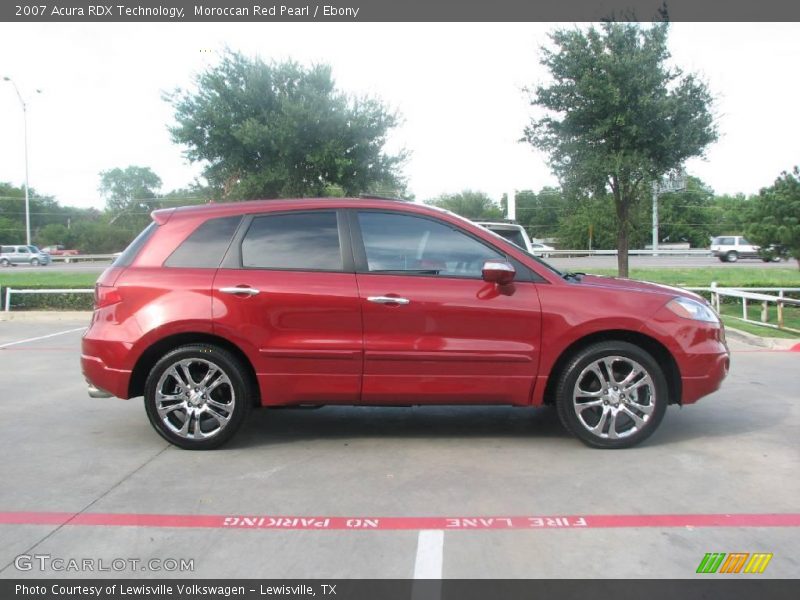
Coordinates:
[215,309]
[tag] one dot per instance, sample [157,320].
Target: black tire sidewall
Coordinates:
[566,384]
[222,359]
[731,257]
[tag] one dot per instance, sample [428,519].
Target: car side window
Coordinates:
[207,244]
[409,244]
[744,242]
[23,250]
[306,241]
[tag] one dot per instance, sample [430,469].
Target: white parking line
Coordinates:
[430,548]
[41,337]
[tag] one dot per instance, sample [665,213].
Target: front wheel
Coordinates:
[197,396]
[612,395]
[35,262]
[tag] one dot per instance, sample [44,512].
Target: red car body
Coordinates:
[311,338]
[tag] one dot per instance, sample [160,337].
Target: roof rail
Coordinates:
[364,196]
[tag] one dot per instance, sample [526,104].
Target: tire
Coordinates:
[587,381]
[4,262]
[732,256]
[193,415]
[34,262]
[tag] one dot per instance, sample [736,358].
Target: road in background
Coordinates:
[585,263]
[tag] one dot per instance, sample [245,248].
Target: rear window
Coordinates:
[126,258]
[205,248]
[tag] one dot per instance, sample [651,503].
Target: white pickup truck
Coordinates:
[516,234]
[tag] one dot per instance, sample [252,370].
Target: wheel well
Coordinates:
[652,346]
[150,357]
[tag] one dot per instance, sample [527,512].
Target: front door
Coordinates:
[434,331]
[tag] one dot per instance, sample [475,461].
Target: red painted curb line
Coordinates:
[399,523]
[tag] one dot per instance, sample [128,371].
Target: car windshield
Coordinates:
[33,249]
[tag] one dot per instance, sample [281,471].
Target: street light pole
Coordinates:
[25,127]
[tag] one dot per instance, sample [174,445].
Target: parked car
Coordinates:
[23,255]
[59,250]
[516,233]
[215,309]
[730,248]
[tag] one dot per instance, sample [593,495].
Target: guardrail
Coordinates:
[80,257]
[755,294]
[562,253]
[10,291]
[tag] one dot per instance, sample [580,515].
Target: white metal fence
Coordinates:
[756,295]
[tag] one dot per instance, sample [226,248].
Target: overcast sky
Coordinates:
[458,87]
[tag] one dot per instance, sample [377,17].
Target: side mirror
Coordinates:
[500,272]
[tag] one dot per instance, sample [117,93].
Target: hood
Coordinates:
[638,286]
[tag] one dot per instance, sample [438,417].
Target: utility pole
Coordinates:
[25,127]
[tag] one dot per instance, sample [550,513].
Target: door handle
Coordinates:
[240,290]
[387,300]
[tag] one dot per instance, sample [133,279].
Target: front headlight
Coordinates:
[692,309]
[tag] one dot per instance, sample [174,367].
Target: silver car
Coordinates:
[23,255]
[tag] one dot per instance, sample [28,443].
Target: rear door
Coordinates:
[287,293]
[434,331]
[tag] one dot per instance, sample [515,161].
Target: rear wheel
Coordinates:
[732,256]
[612,395]
[4,262]
[197,396]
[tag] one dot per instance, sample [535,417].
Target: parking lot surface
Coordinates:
[347,492]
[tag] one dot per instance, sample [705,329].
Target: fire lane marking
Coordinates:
[398,523]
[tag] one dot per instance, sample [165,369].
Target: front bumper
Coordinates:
[714,368]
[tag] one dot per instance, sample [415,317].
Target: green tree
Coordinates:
[685,216]
[540,213]
[130,194]
[617,116]
[469,204]
[775,216]
[730,214]
[268,130]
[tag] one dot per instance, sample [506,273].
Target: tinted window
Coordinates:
[404,243]
[7,249]
[23,250]
[126,258]
[205,248]
[304,241]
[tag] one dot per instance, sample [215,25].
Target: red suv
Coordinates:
[216,309]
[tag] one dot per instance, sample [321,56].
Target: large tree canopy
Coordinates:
[129,189]
[617,116]
[775,216]
[269,130]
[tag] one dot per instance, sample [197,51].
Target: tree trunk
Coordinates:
[622,250]
[622,204]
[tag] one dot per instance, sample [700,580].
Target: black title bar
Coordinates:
[258,11]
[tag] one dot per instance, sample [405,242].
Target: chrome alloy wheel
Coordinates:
[614,397]
[195,399]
